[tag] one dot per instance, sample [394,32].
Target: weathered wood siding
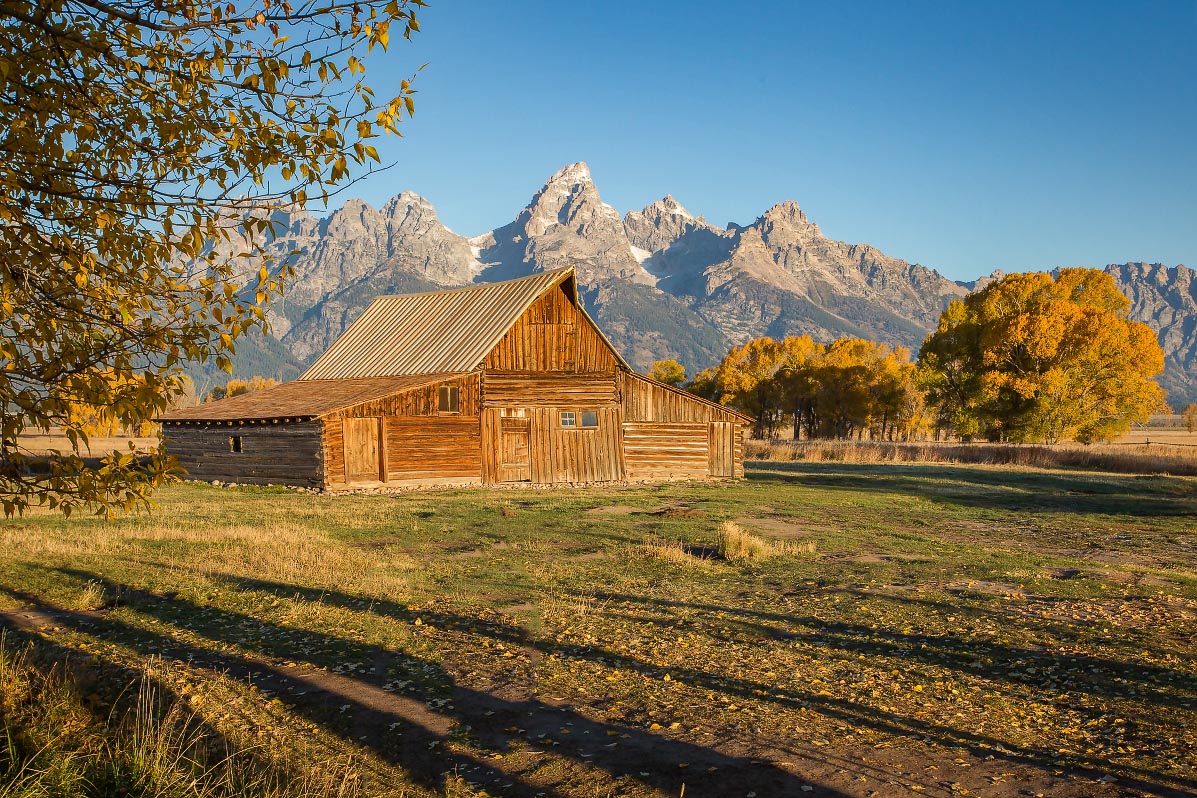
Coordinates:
[563,455]
[669,433]
[721,449]
[552,336]
[334,452]
[676,450]
[538,449]
[644,400]
[418,401]
[517,389]
[433,448]
[741,431]
[279,454]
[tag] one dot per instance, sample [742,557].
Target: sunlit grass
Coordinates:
[833,607]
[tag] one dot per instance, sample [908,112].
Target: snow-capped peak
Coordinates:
[573,173]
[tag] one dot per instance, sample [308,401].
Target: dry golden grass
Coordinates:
[1118,458]
[39,444]
[1178,436]
[671,551]
[153,745]
[737,545]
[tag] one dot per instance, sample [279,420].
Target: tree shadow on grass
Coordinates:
[118,698]
[1030,667]
[1163,688]
[997,489]
[1101,676]
[416,726]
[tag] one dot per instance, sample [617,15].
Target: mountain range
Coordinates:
[661,282]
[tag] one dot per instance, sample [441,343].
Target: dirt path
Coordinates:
[505,737]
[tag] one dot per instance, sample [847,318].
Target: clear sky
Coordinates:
[962,136]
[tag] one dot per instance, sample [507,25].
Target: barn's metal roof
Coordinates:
[303,398]
[437,332]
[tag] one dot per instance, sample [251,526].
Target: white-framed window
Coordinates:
[579,419]
[448,399]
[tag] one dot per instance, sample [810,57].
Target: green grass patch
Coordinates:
[920,625]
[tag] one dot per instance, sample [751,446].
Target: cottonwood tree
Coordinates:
[1037,358]
[143,145]
[669,372]
[838,390]
[1188,417]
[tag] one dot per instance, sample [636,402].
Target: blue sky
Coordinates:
[965,137]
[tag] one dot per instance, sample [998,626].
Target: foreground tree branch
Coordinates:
[143,149]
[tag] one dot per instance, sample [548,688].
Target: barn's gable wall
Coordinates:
[552,336]
[282,454]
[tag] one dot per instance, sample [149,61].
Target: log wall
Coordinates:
[432,448]
[279,454]
[666,450]
[515,389]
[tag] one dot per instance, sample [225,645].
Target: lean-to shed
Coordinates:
[504,382]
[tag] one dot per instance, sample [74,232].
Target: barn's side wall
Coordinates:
[288,453]
[669,434]
[419,443]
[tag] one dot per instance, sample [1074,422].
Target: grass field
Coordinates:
[906,630]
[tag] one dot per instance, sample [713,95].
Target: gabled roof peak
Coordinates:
[438,331]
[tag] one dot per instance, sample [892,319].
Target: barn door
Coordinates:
[363,450]
[721,448]
[514,464]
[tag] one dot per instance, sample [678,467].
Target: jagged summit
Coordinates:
[788,210]
[661,281]
[572,173]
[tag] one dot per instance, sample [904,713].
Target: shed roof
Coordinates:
[437,332]
[303,398]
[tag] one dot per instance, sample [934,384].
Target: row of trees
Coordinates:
[850,387]
[1030,357]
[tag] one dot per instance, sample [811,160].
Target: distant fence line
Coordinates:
[1129,458]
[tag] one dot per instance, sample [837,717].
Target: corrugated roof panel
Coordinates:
[431,333]
[304,398]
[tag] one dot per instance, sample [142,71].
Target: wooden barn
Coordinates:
[506,382]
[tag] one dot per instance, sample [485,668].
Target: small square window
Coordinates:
[235,444]
[568,419]
[589,419]
[448,399]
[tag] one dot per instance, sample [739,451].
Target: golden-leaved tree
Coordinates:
[135,138]
[669,372]
[1036,358]
[846,388]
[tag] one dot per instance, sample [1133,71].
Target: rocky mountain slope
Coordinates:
[660,281]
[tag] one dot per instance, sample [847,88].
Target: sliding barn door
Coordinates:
[721,449]
[363,450]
